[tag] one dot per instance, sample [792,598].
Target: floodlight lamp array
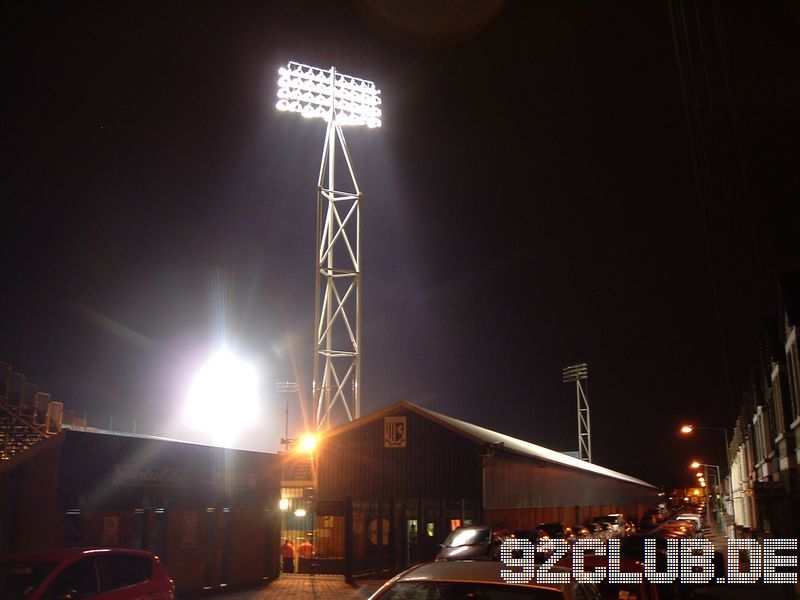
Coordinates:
[312,92]
[575,372]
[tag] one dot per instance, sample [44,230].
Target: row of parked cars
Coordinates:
[468,564]
[604,528]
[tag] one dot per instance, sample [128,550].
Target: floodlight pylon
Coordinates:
[578,373]
[340,100]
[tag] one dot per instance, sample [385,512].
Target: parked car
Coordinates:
[647,522]
[534,535]
[633,548]
[643,590]
[617,521]
[691,517]
[473,542]
[630,528]
[474,579]
[101,573]
[581,532]
[679,528]
[597,530]
[557,531]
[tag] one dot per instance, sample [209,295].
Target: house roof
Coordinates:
[487,436]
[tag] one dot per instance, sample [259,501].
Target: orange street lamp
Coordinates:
[308,443]
[689,428]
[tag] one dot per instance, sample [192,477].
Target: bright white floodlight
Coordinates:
[315,93]
[223,397]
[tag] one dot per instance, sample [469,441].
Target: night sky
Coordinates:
[558,182]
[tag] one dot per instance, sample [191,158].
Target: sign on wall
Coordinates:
[110,535]
[394,432]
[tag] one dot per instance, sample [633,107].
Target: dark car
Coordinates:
[534,535]
[101,573]
[581,532]
[642,590]
[557,531]
[647,522]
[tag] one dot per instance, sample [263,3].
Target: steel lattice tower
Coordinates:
[578,373]
[340,100]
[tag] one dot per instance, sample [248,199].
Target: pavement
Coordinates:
[293,586]
[713,532]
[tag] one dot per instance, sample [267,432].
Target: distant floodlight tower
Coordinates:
[340,100]
[578,373]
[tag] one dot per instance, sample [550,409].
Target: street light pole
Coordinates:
[286,387]
[686,429]
[705,466]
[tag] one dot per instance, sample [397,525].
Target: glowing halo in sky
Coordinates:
[223,399]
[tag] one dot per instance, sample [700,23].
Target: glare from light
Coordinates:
[695,465]
[697,492]
[283,504]
[687,429]
[223,397]
[702,484]
[300,512]
[698,474]
[309,91]
[308,443]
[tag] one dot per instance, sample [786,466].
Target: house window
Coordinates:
[794,378]
[777,400]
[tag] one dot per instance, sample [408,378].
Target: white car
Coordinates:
[698,523]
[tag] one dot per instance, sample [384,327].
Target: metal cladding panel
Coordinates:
[114,471]
[434,462]
[517,482]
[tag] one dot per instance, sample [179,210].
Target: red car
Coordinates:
[102,573]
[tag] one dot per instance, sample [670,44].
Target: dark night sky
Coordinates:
[530,203]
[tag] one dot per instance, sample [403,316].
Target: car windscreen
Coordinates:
[464,590]
[19,579]
[467,537]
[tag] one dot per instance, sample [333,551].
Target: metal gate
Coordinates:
[380,537]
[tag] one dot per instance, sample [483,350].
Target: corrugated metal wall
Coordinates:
[515,481]
[435,463]
[210,513]
[129,472]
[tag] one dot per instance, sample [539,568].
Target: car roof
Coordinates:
[476,571]
[73,553]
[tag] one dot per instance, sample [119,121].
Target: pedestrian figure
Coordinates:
[306,549]
[287,554]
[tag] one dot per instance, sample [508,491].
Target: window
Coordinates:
[794,379]
[80,577]
[777,400]
[122,570]
[457,590]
